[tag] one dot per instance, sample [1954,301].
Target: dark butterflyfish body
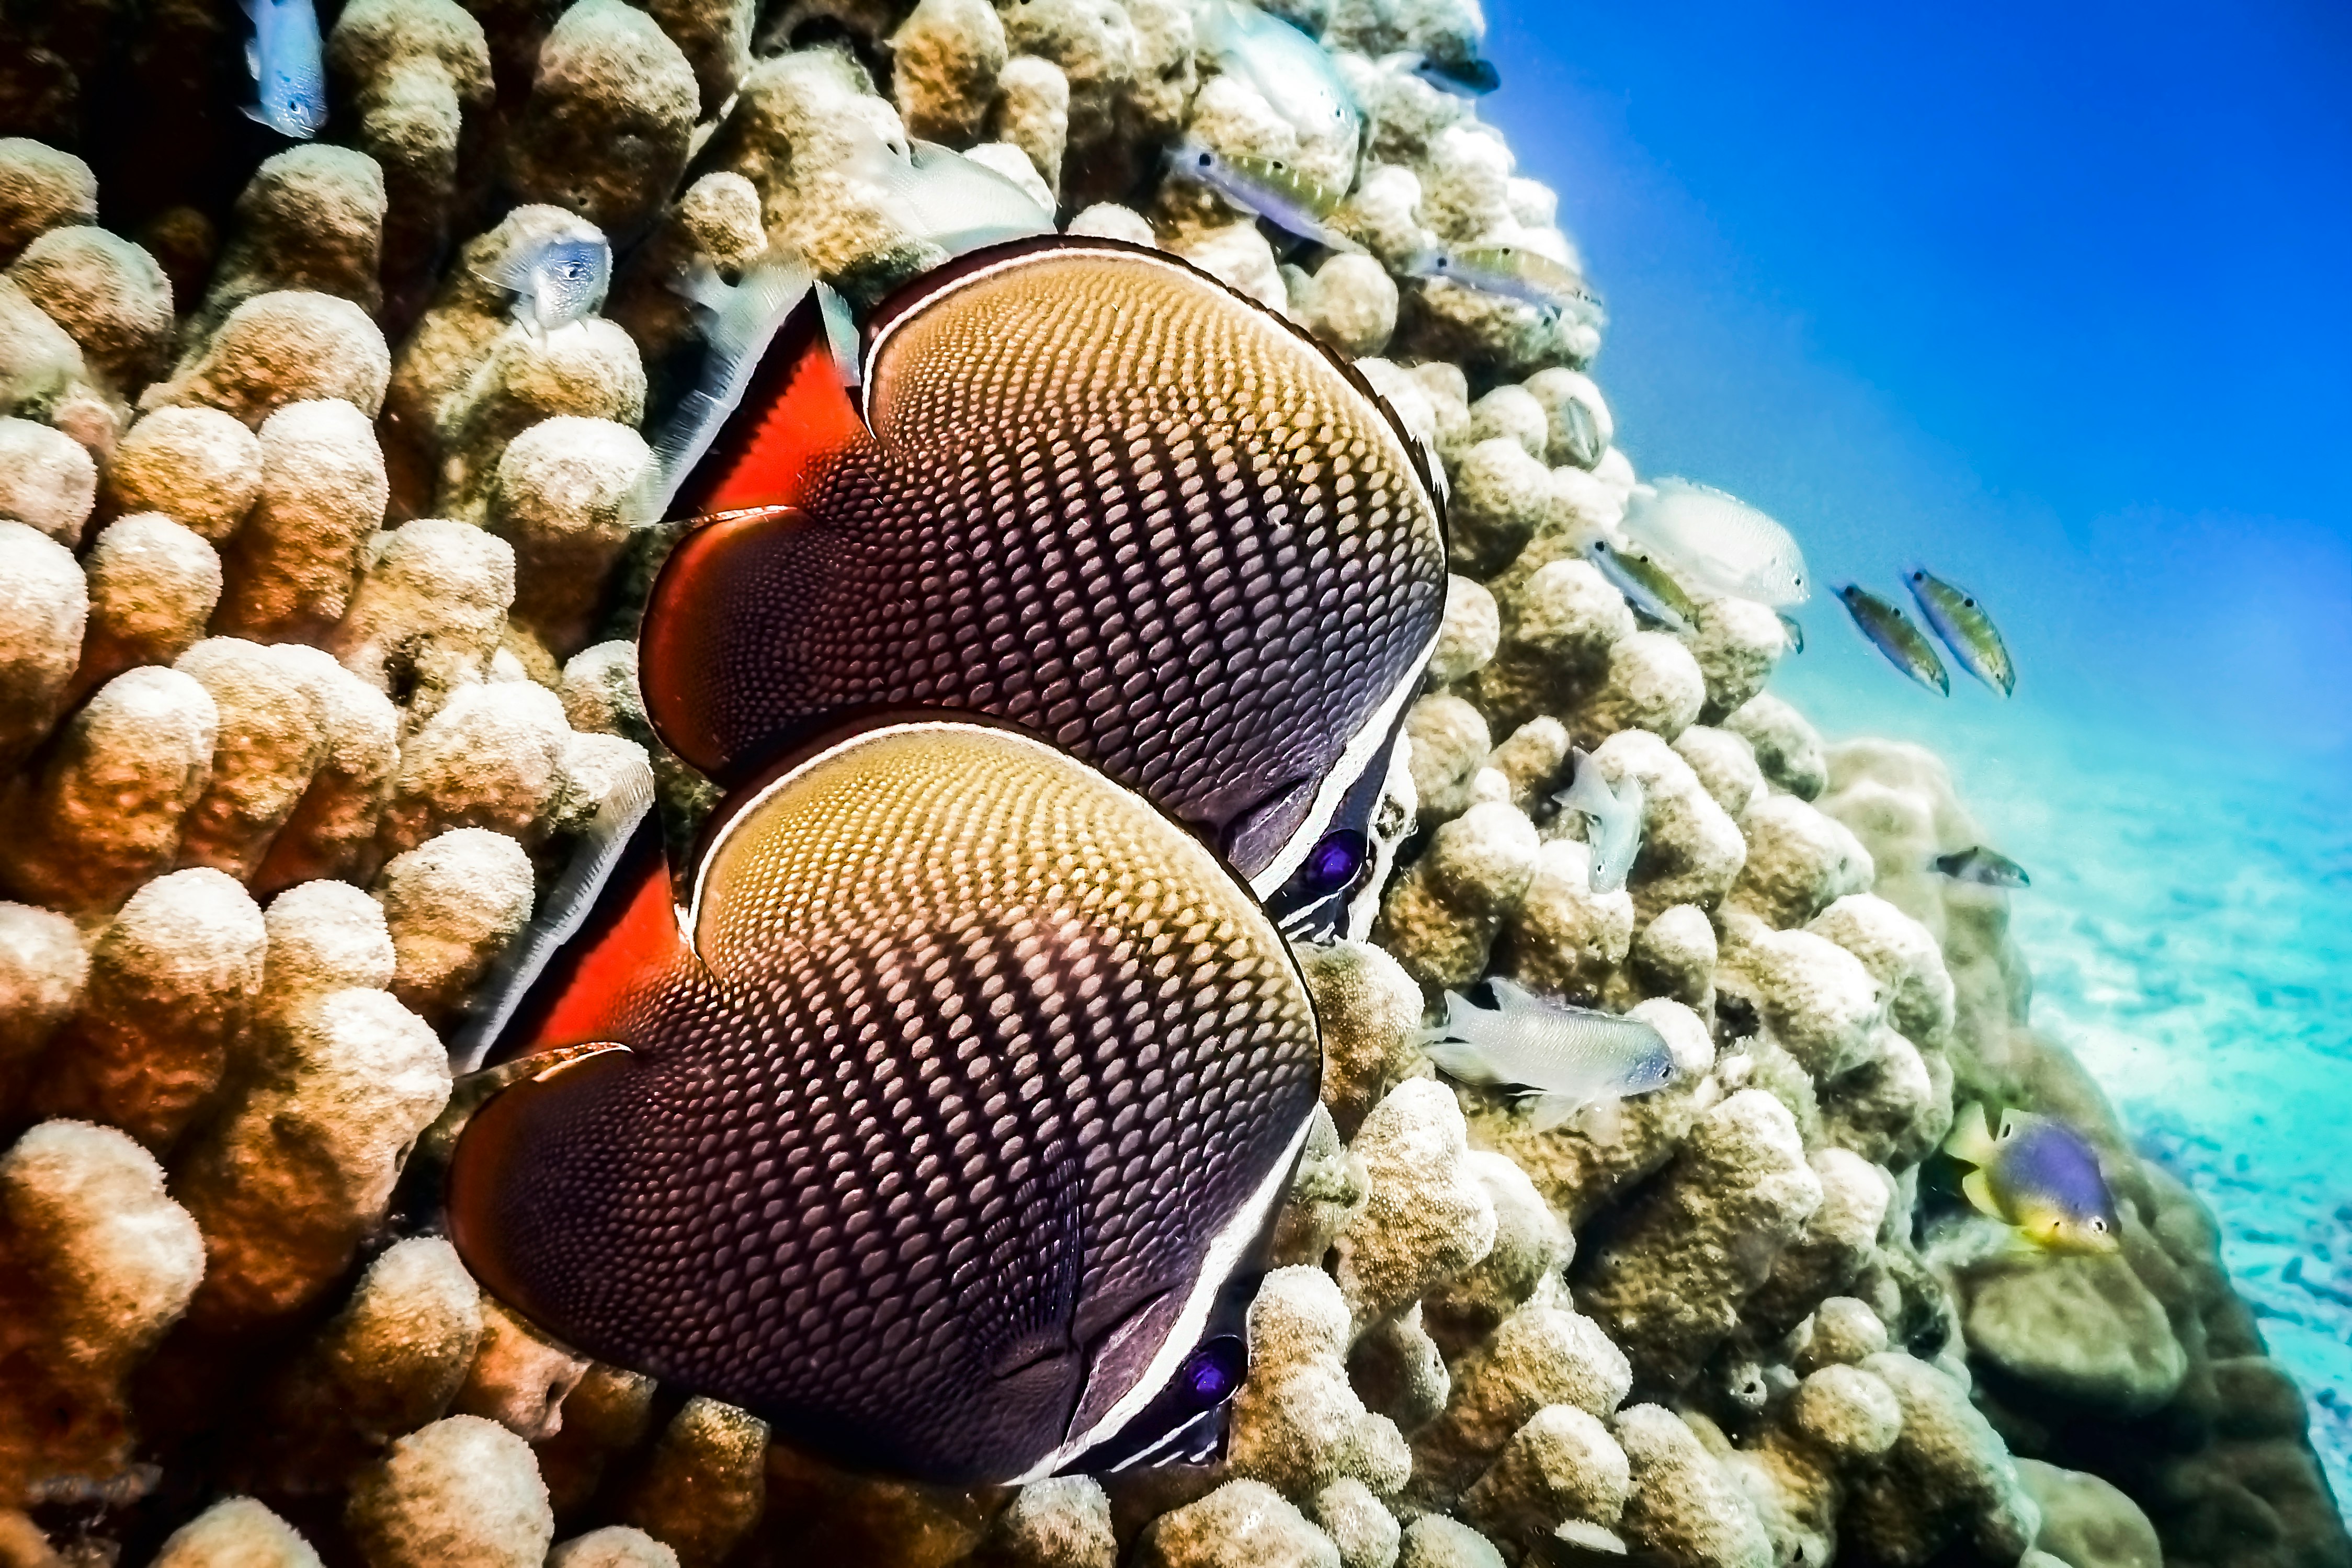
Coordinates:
[948,1134]
[1091,490]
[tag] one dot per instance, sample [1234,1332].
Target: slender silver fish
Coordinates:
[1966,630]
[1890,631]
[1564,1057]
[1615,818]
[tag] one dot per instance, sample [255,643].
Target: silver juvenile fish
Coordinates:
[1985,867]
[1890,631]
[1647,586]
[953,201]
[1793,629]
[1615,818]
[1292,201]
[1473,77]
[284,56]
[1564,1057]
[1290,71]
[1966,630]
[556,280]
[1514,271]
[1718,542]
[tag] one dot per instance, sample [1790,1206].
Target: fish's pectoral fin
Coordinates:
[1977,1187]
[1547,1110]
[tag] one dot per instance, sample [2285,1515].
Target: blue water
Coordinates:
[2190,941]
[2051,299]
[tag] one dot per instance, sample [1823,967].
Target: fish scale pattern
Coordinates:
[1205,581]
[973,1061]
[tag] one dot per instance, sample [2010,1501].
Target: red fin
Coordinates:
[629,945]
[707,598]
[794,415]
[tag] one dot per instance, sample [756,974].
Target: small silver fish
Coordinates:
[1718,542]
[957,204]
[1473,77]
[1985,867]
[1615,815]
[1647,586]
[1966,630]
[1794,629]
[1582,433]
[289,74]
[1564,1057]
[2039,1176]
[1290,69]
[1890,631]
[1294,202]
[556,280]
[1514,271]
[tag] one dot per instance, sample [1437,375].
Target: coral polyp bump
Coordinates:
[326,569]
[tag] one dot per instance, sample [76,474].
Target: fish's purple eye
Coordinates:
[1336,858]
[1211,1373]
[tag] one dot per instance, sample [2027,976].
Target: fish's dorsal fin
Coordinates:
[606,927]
[1970,1140]
[1510,996]
[760,412]
[714,587]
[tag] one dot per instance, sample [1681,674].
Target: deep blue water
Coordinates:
[2055,300]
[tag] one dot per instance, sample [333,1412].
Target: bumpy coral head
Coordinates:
[1096,492]
[950,1140]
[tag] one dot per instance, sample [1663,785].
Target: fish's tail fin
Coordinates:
[1586,791]
[1550,1109]
[1970,1140]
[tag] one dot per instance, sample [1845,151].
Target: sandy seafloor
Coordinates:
[2189,929]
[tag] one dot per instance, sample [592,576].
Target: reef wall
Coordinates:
[315,593]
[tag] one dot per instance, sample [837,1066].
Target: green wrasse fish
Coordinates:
[1890,631]
[2038,1176]
[1649,587]
[1293,201]
[1966,630]
[1564,1057]
[1514,271]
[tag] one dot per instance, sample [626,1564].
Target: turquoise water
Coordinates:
[2189,929]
